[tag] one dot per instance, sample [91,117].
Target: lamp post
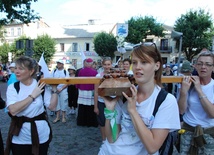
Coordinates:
[28,46]
[178,35]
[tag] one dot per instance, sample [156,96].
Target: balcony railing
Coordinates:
[165,49]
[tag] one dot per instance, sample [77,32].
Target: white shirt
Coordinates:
[100,99]
[195,114]
[60,74]
[128,142]
[34,109]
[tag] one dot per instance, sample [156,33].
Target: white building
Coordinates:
[72,40]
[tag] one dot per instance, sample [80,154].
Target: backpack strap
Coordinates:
[55,71]
[160,98]
[16,86]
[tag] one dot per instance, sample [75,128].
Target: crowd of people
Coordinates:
[127,123]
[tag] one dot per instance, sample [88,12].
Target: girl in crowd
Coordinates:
[131,127]
[98,101]
[72,92]
[29,132]
[196,103]
[127,65]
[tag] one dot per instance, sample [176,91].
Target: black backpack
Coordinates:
[171,139]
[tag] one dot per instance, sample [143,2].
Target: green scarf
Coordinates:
[111,115]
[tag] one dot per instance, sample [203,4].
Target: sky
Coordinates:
[71,12]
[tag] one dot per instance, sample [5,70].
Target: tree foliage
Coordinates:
[140,27]
[2,32]
[46,44]
[197,29]
[105,44]
[4,49]
[17,9]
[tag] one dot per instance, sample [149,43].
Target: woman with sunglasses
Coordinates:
[196,102]
[30,131]
[131,127]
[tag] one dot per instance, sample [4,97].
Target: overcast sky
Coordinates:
[68,12]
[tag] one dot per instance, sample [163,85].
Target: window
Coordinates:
[74,62]
[62,47]
[12,31]
[19,32]
[74,47]
[87,47]
[164,60]
[164,44]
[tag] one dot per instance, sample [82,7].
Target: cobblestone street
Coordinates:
[68,138]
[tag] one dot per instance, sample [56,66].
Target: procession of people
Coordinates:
[127,123]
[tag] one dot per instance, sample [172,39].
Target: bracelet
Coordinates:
[31,97]
[200,97]
[54,92]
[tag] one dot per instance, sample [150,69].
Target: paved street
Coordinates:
[68,138]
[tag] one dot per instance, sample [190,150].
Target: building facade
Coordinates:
[75,42]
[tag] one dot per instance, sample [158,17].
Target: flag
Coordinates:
[118,61]
[44,67]
[82,54]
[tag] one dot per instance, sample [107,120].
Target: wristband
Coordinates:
[54,91]
[200,97]
[111,115]
[31,97]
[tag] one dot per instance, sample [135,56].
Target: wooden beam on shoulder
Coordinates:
[96,80]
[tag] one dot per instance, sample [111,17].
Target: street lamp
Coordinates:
[178,35]
[28,46]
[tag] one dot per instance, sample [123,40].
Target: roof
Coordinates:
[76,31]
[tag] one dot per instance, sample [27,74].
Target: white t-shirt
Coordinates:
[128,142]
[60,74]
[195,114]
[100,99]
[34,109]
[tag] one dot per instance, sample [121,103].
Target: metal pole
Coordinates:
[179,56]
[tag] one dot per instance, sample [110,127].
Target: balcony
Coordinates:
[165,49]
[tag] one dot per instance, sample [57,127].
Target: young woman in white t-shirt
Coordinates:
[98,101]
[130,127]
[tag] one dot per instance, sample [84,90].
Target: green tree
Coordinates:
[140,27]
[2,32]
[4,49]
[105,44]
[197,29]
[46,44]
[17,9]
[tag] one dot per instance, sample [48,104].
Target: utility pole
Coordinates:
[178,35]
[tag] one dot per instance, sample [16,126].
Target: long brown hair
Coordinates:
[148,52]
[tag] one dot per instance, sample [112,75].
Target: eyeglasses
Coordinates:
[200,64]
